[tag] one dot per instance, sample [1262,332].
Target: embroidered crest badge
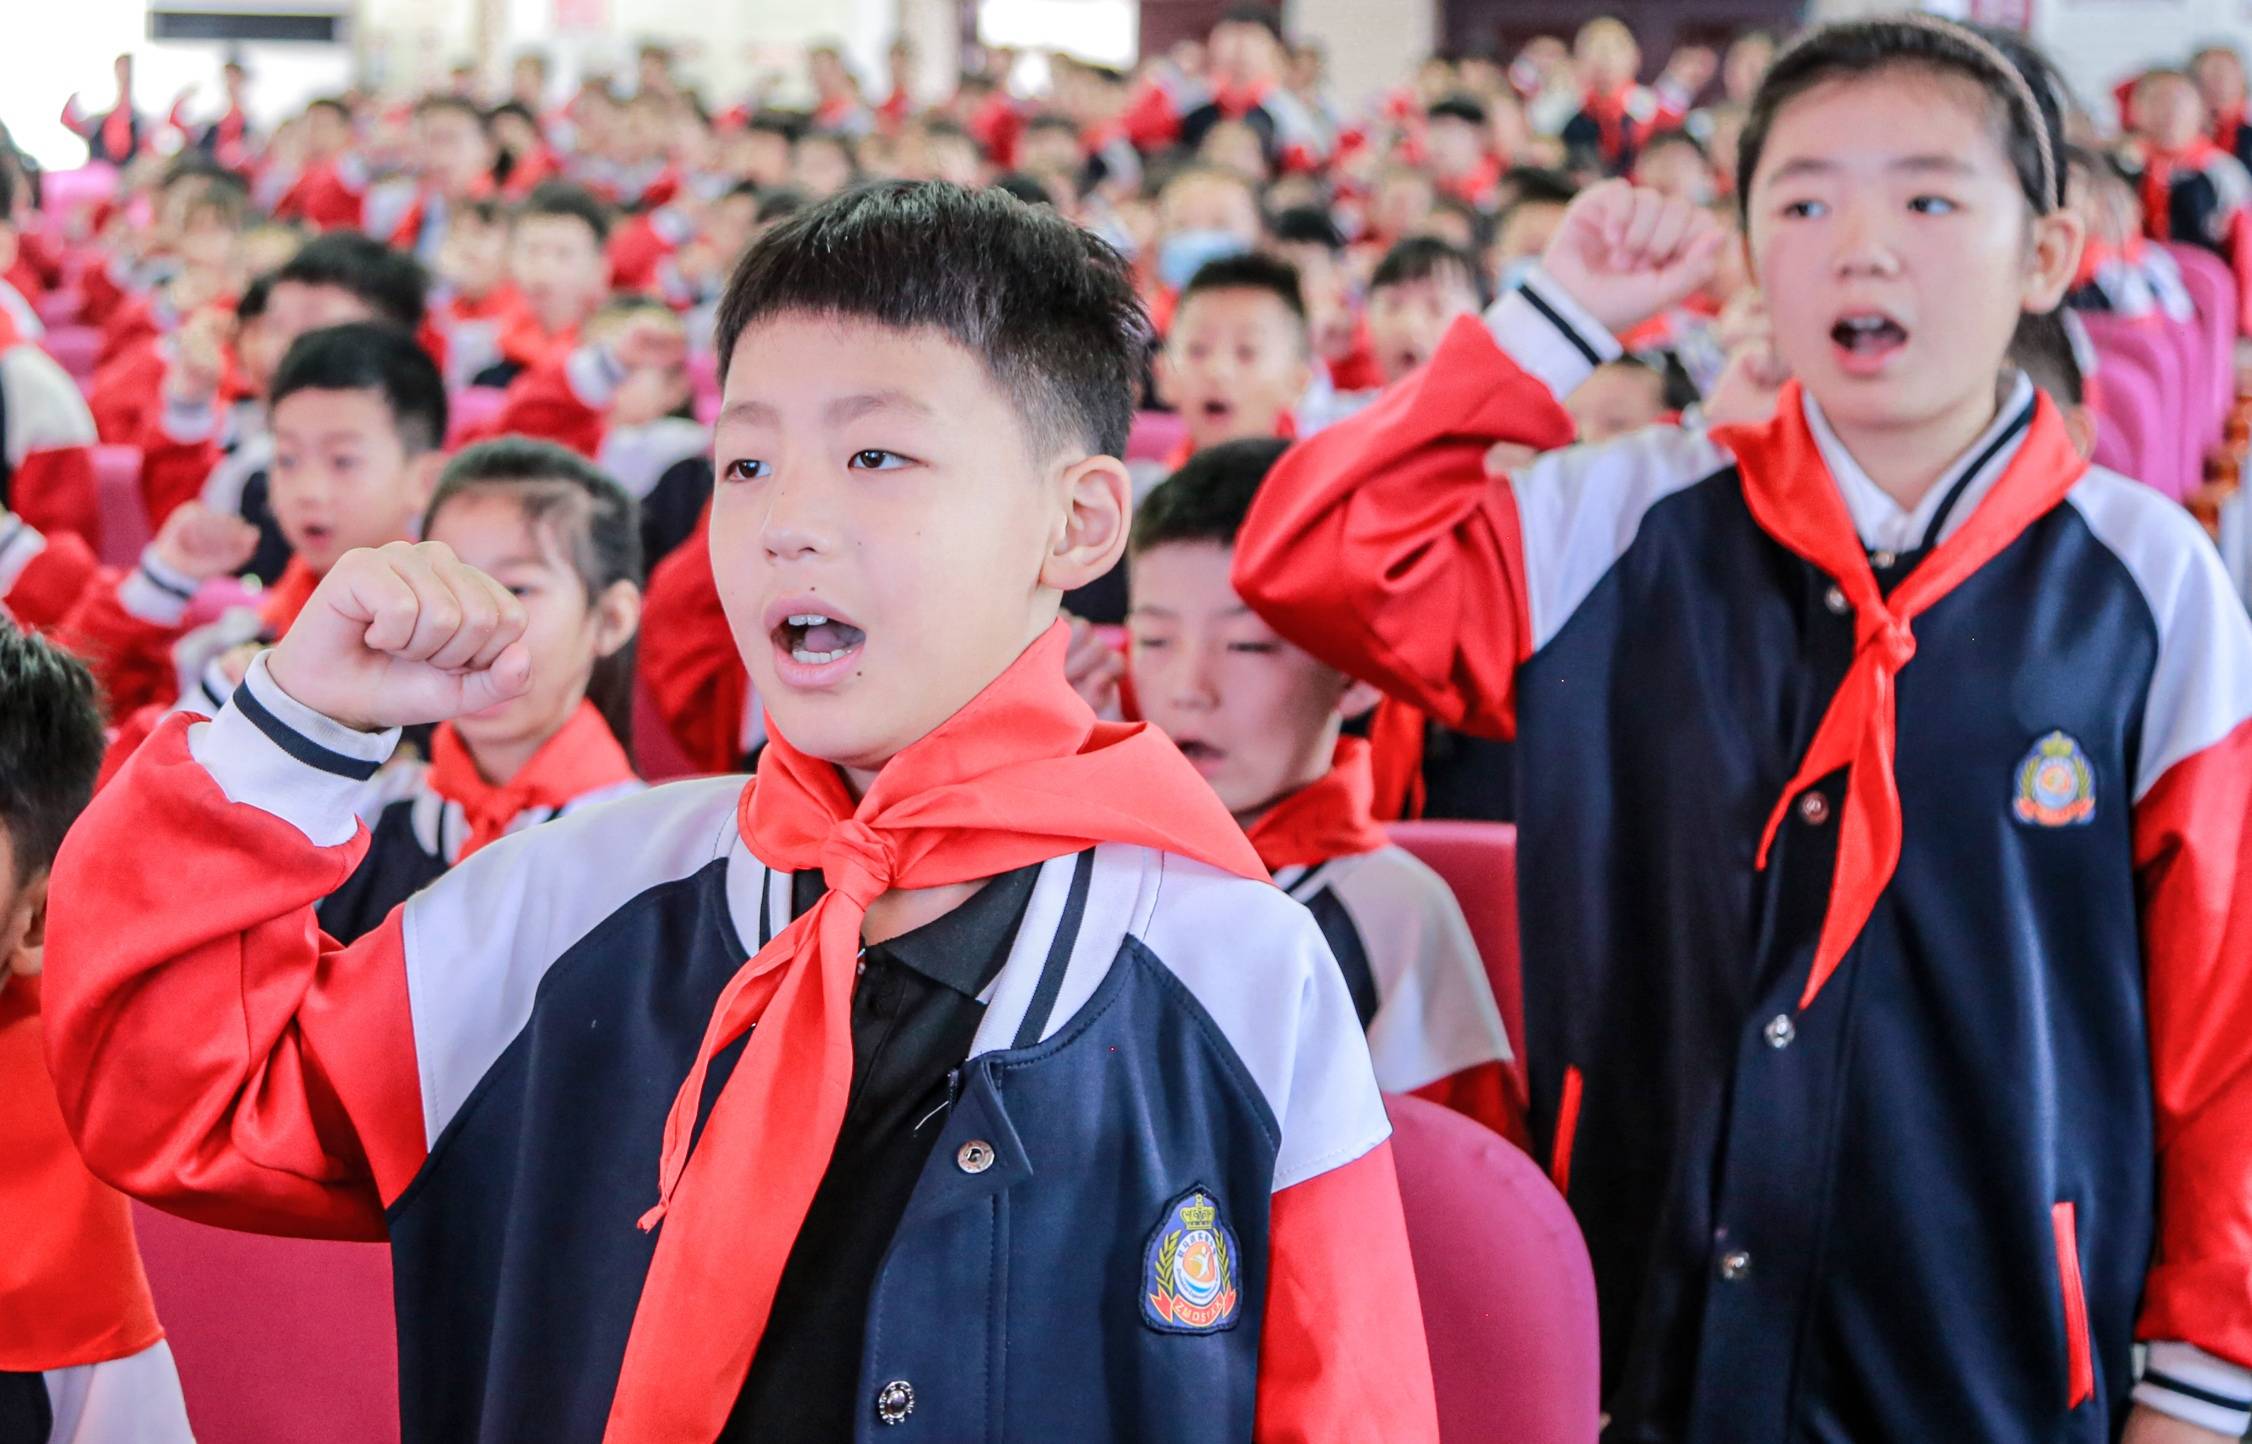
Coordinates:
[2055,785]
[1191,1270]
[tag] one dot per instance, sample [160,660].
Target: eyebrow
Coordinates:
[836,413]
[1908,164]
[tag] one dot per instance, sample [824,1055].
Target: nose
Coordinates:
[1864,242]
[1195,680]
[797,523]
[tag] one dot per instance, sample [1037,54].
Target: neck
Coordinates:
[1311,770]
[499,759]
[1907,461]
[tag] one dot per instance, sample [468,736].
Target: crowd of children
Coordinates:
[1093,516]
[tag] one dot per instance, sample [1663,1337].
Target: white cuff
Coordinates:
[267,750]
[2185,1382]
[155,593]
[595,376]
[188,422]
[1550,334]
[20,541]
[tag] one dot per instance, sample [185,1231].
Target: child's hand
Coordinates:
[2147,1426]
[199,357]
[1094,669]
[401,635]
[1507,458]
[197,542]
[1625,253]
[651,343]
[646,395]
[1691,67]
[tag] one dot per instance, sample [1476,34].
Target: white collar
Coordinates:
[1883,525]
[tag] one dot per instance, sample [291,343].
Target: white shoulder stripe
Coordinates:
[480,939]
[1257,963]
[2202,688]
[45,410]
[1579,510]
[1120,891]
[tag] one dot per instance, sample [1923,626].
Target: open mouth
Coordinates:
[315,535]
[814,639]
[1867,339]
[1217,410]
[1203,756]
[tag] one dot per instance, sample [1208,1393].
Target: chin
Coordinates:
[845,736]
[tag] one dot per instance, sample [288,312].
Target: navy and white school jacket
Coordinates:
[484,1081]
[2013,1133]
[1415,977]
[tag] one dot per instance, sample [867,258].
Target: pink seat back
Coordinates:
[2131,382]
[75,348]
[62,192]
[1508,1294]
[278,1340]
[1155,435]
[121,512]
[2212,288]
[1478,861]
[60,307]
[471,413]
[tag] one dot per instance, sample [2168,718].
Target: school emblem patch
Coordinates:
[2055,785]
[1191,1270]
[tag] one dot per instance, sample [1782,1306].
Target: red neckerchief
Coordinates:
[582,757]
[1609,112]
[530,345]
[1022,774]
[117,133]
[287,596]
[1476,188]
[1331,817]
[1796,501]
[2227,125]
[1238,99]
[498,303]
[2159,172]
[1396,737]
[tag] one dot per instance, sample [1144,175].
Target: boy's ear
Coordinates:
[617,616]
[1098,499]
[1359,697]
[23,932]
[2058,238]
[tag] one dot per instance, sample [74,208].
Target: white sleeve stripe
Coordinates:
[2201,689]
[20,542]
[1549,334]
[255,767]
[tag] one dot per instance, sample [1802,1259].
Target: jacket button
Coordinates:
[1734,1264]
[1813,809]
[1835,600]
[975,1156]
[895,1401]
[1780,1031]
[1882,560]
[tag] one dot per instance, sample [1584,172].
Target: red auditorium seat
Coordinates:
[656,756]
[121,512]
[1508,1294]
[279,1340]
[60,307]
[75,349]
[1478,861]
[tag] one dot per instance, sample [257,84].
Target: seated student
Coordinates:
[453,166]
[358,413]
[1672,163]
[1525,224]
[2121,271]
[1203,214]
[550,527]
[1618,115]
[329,190]
[221,453]
[82,1358]
[1886,791]
[1307,237]
[198,226]
[46,432]
[1237,360]
[1260,721]
[946,868]
[1456,152]
[2053,352]
[471,300]
[1419,288]
[2219,73]
[2192,190]
[557,266]
[1618,398]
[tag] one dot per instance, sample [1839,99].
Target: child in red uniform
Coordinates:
[1260,720]
[781,1013]
[1884,777]
[560,274]
[82,1360]
[1237,361]
[559,535]
[46,432]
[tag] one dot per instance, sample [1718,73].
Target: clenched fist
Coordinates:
[401,635]
[1625,253]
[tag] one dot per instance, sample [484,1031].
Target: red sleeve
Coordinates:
[635,253]
[52,583]
[1486,1092]
[542,402]
[2193,855]
[214,1053]
[75,121]
[129,330]
[1341,1354]
[173,472]
[688,657]
[126,394]
[130,656]
[54,491]
[1381,546]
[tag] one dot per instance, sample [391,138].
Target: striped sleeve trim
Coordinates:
[2185,1382]
[156,594]
[20,541]
[267,750]
[1549,334]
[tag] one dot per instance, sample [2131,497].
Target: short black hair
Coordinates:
[1266,17]
[330,102]
[1466,108]
[774,122]
[571,202]
[2043,349]
[781,203]
[516,108]
[440,100]
[1048,308]
[1423,258]
[1250,271]
[370,356]
[1025,188]
[1867,47]
[390,283]
[1208,498]
[1538,185]
[1306,226]
[255,297]
[51,746]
